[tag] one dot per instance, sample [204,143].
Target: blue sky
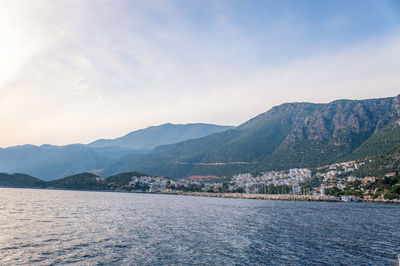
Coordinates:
[74,71]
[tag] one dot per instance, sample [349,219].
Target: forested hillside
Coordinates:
[287,136]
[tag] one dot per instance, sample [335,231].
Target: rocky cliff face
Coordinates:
[343,122]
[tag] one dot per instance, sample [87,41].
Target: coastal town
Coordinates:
[336,181]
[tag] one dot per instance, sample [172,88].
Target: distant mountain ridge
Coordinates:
[51,162]
[151,137]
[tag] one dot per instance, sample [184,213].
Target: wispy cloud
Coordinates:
[80,70]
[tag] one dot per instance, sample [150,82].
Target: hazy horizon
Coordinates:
[77,71]
[150,126]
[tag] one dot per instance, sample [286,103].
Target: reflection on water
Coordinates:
[45,227]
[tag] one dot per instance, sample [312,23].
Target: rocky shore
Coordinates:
[260,196]
[275,197]
[382,200]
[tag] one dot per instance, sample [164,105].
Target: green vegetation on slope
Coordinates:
[287,136]
[123,179]
[20,180]
[83,181]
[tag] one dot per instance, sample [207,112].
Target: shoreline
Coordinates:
[286,197]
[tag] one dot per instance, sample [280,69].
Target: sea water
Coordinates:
[59,227]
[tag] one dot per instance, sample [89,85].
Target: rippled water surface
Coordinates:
[59,227]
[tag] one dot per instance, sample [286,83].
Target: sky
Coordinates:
[75,71]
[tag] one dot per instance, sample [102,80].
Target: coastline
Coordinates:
[273,197]
[286,197]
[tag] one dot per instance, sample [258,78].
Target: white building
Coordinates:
[322,190]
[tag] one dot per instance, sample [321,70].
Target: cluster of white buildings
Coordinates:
[338,169]
[155,183]
[281,182]
[292,178]
[339,175]
[245,183]
[276,178]
[161,183]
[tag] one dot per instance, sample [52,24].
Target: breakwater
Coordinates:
[261,196]
[381,200]
[276,197]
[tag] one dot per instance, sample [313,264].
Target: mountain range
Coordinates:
[287,136]
[52,162]
[151,137]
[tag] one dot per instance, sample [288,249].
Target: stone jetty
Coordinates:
[261,196]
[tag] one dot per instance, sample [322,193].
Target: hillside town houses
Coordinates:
[245,183]
[292,181]
[292,178]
